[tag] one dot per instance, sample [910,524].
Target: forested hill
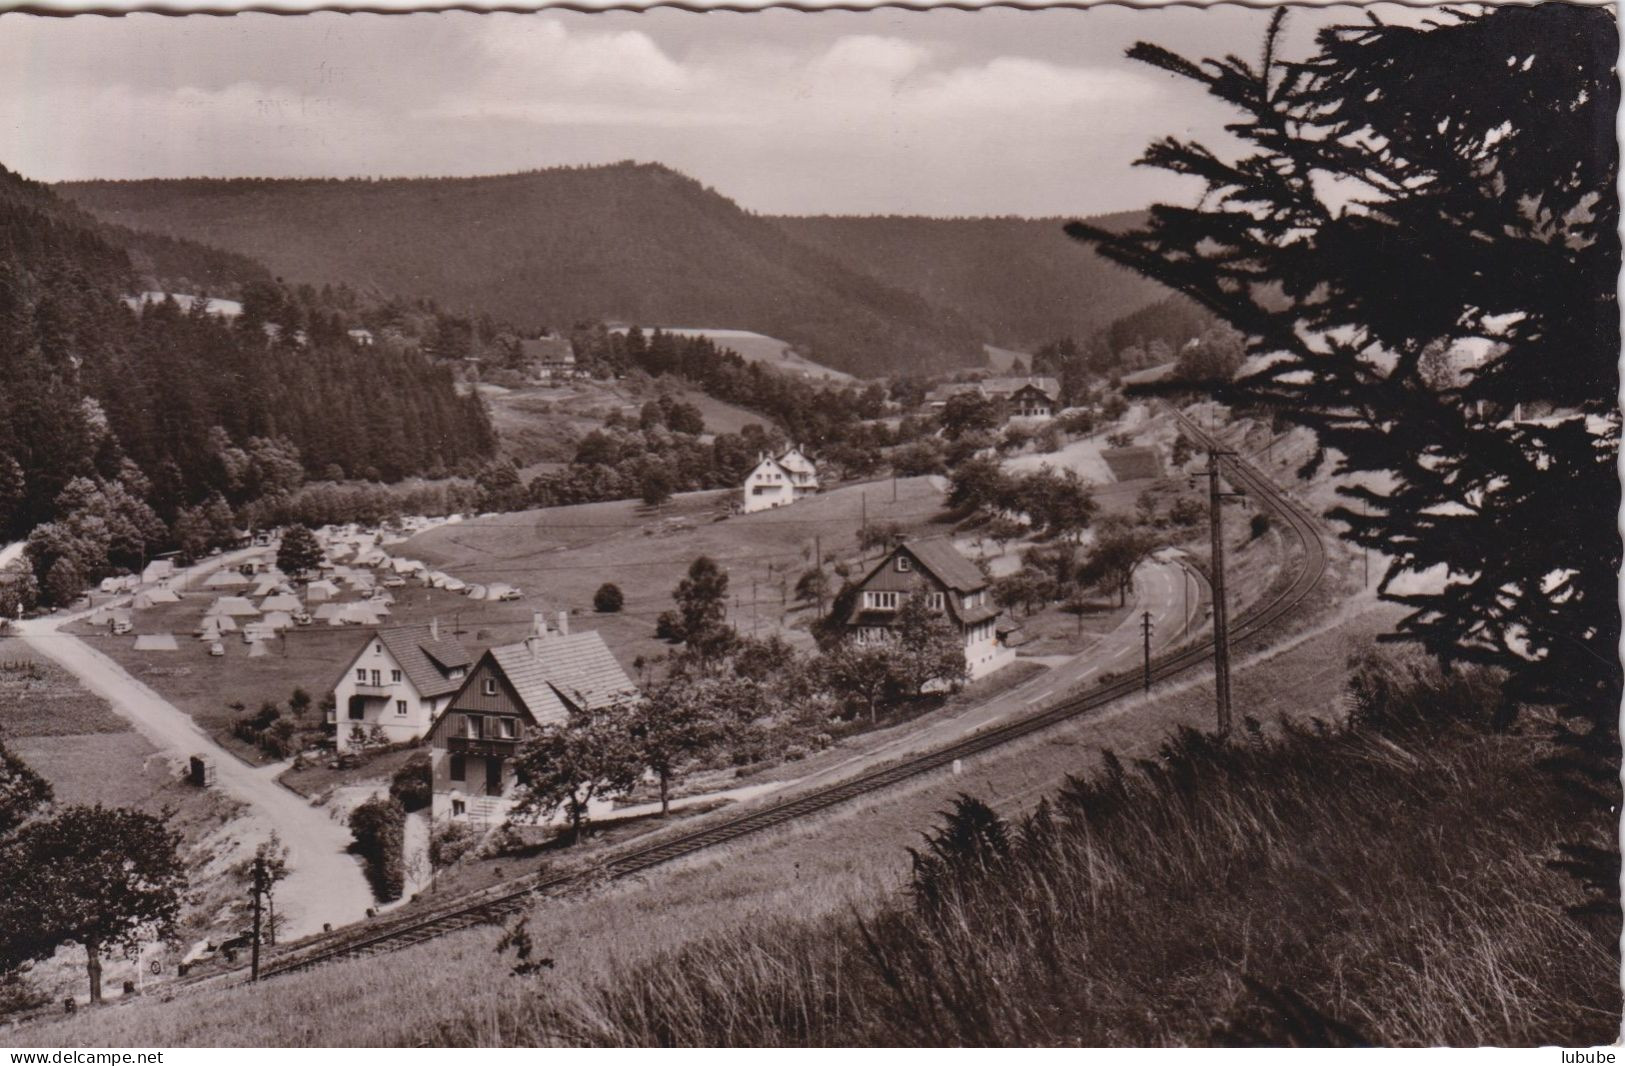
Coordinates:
[163,411]
[640,243]
[629,242]
[1023,282]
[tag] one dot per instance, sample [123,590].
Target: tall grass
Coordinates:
[1385,879]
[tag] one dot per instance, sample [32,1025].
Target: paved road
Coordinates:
[325,884]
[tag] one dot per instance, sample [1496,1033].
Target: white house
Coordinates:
[398,681]
[780,479]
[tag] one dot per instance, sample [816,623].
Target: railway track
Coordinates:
[504,900]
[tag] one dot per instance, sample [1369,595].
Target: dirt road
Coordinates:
[326,884]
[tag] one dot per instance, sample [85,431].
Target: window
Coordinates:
[489,687]
[378,649]
[885,601]
[473,727]
[459,767]
[505,728]
[358,709]
[377,678]
[936,601]
[458,807]
[361,676]
[400,707]
[903,564]
[395,676]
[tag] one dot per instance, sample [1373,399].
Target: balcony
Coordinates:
[374,692]
[482,746]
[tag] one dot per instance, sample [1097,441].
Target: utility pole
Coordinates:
[1221,614]
[818,570]
[259,893]
[1145,629]
[1365,553]
[864,524]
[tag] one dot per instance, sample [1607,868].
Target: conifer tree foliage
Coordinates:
[1418,240]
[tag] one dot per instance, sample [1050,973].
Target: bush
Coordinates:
[1259,525]
[608,599]
[451,842]
[379,829]
[413,784]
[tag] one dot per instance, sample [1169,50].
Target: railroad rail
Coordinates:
[504,900]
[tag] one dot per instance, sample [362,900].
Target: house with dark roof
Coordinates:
[1024,397]
[949,582]
[398,681]
[551,357]
[512,691]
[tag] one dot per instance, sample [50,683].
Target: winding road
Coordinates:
[325,885]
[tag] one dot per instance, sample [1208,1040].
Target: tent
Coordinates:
[406,566]
[142,601]
[157,570]
[270,585]
[255,632]
[208,634]
[476,592]
[321,591]
[156,642]
[361,582]
[454,584]
[360,614]
[163,594]
[498,589]
[330,612]
[233,606]
[275,620]
[373,557]
[225,579]
[258,650]
[223,622]
[280,602]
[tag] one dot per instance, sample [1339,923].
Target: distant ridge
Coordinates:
[639,242]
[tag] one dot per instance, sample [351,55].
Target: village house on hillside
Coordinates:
[780,479]
[398,681]
[550,357]
[512,691]
[1018,397]
[950,582]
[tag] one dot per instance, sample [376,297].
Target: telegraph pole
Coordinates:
[1145,628]
[818,568]
[1221,612]
[259,892]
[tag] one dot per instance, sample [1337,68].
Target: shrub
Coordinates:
[608,599]
[451,842]
[1259,525]
[413,784]
[379,829]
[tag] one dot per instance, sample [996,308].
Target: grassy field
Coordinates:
[543,423]
[853,859]
[560,556]
[90,755]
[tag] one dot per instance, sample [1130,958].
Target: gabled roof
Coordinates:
[409,645]
[1010,386]
[577,667]
[942,560]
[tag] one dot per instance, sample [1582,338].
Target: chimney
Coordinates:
[538,624]
[564,623]
[434,628]
[533,644]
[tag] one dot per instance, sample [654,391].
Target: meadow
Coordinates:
[852,861]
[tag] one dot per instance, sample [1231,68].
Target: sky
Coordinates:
[992,112]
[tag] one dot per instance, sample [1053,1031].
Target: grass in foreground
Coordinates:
[1384,881]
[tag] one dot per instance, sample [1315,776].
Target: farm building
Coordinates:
[950,582]
[778,480]
[1026,397]
[398,681]
[551,357]
[512,690]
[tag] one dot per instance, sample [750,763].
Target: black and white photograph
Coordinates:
[910,527]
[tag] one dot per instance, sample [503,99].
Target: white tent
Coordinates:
[223,622]
[157,570]
[280,602]
[233,606]
[362,581]
[476,592]
[360,614]
[331,612]
[454,584]
[270,585]
[497,589]
[163,594]
[321,591]
[258,650]
[156,642]
[275,620]
[225,579]
[406,566]
[142,601]
[255,632]
[372,557]
[208,634]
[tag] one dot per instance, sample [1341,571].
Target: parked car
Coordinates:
[394,581]
[121,627]
[509,594]
[301,618]
[217,648]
